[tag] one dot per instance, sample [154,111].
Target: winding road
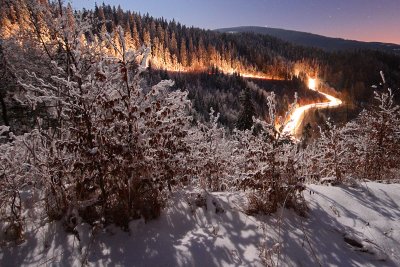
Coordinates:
[297,115]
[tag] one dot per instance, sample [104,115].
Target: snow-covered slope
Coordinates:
[346,226]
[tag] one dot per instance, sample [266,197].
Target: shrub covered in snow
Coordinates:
[106,148]
[112,148]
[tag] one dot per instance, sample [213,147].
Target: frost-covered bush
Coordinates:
[365,148]
[332,154]
[213,155]
[116,146]
[19,167]
[374,140]
[269,169]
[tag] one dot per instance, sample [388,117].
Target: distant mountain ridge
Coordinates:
[314,40]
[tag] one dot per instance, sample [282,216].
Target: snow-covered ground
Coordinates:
[346,226]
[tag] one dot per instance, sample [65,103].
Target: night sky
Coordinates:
[364,20]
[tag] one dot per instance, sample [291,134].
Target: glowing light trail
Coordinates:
[312,84]
[297,115]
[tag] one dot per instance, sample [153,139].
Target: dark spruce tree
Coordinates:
[306,135]
[3,88]
[245,118]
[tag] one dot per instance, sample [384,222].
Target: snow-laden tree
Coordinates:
[357,143]
[307,161]
[213,155]
[332,149]
[375,139]
[115,146]
[20,158]
[271,170]
[365,148]
[383,124]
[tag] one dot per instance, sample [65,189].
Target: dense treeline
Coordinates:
[214,89]
[107,145]
[355,72]
[351,71]
[177,48]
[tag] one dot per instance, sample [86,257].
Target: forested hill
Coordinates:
[177,49]
[180,48]
[314,40]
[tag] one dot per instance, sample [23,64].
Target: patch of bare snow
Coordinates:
[346,226]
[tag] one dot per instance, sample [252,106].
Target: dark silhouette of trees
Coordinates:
[245,118]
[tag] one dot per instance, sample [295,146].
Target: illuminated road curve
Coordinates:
[297,115]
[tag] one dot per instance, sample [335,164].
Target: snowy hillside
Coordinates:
[345,226]
[114,153]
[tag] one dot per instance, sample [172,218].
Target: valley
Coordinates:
[129,137]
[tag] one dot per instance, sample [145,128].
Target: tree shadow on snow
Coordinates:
[43,246]
[183,237]
[321,231]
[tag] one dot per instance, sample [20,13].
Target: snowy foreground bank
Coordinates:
[346,226]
